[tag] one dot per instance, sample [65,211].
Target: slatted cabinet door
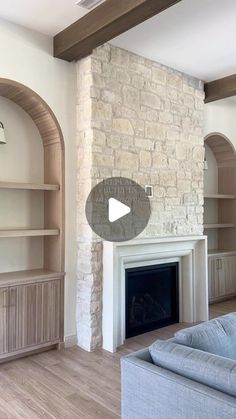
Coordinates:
[213,281]
[34,315]
[227,276]
[51,302]
[3,320]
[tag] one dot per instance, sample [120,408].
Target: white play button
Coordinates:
[117,210]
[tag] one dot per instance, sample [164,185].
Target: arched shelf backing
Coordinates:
[53,143]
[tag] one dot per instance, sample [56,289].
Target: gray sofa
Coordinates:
[192,376]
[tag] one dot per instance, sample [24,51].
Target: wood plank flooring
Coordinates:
[72,383]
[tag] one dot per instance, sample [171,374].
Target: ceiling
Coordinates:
[194,36]
[46,16]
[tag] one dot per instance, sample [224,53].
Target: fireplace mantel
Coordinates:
[189,251]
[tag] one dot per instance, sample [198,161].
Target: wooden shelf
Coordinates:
[219,196]
[29,186]
[221,252]
[29,276]
[29,233]
[207,226]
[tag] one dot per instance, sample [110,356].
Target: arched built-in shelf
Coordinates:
[225,197]
[38,299]
[53,144]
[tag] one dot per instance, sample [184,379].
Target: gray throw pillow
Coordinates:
[212,370]
[217,336]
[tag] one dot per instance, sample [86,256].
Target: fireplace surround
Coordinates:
[190,252]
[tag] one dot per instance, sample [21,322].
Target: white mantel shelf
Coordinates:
[153,240]
[189,251]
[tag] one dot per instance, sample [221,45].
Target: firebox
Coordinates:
[152,297]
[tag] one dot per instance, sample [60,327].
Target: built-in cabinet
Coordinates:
[222,276]
[32,301]
[30,315]
[220,219]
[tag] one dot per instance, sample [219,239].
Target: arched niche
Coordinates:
[53,143]
[222,148]
[224,204]
[36,108]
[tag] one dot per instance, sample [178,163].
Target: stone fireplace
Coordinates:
[137,119]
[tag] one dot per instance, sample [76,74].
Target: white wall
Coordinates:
[27,57]
[220,116]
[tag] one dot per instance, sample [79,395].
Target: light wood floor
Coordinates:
[70,384]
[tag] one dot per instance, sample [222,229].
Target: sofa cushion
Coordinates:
[211,370]
[217,336]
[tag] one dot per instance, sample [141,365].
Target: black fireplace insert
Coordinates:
[152,298]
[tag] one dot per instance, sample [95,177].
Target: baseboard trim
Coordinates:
[70,341]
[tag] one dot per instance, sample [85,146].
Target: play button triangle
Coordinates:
[117,210]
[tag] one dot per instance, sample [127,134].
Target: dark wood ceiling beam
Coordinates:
[105,22]
[220,89]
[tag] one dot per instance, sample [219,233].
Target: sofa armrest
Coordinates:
[151,392]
